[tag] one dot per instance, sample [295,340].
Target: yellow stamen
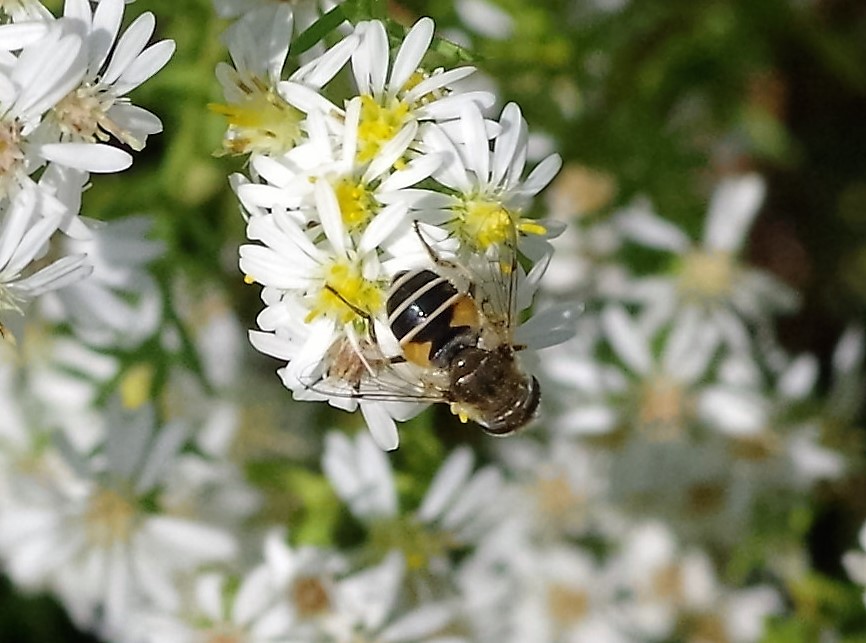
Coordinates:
[357,205]
[249,280]
[707,275]
[378,125]
[346,293]
[109,518]
[264,122]
[135,386]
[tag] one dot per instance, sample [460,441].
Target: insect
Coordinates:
[454,329]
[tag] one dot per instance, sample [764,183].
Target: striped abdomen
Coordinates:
[430,318]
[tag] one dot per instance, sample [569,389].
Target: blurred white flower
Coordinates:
[94,541]
[485,18]
[266,114]
[459,507]
[98,108]
[305,12]
[26,225]
[854,562]
[370,605]
[709,276]
[120,304]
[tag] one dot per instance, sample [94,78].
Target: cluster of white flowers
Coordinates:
[65,114]
[676,435]
[339,177]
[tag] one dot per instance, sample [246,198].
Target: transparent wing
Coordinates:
[497,273]
[365,373]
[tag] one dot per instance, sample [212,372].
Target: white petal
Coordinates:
[640,224]
[148,63]
[129,46]
[733,207]
[330,215]
[17,36]
[629,343]
[382,426]
[799,378]
[734,412]
[411,52]
[90,157]
[452,475]
[475,137]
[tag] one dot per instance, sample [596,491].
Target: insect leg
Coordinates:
[444,263]
[363,314]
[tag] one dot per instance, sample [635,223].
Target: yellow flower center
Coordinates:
[567,605]
[263,122]
[82,115]
[357,205]
[135,385]
[662,407]
[707,275]
[310,596]
[346,292]
[110,518]
[483,223]
[379,124]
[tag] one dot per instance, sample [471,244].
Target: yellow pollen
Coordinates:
[485,223]
[461,412]
[378,125]
[345,293]
[249,280]
[527,226]
[356,203]
[707,275]
[414,80]
[109,518]
[135,386]
[263,122]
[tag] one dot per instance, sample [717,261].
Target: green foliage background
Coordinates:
[663,95]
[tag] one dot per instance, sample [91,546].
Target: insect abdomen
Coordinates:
[430,317]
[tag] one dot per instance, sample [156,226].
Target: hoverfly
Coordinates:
[454,327]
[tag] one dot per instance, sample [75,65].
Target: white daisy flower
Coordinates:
[515,589]
[561,488]
[94,542]
[675,592]
[42,74]
[24,236]
[119,304]
[97,108]
[266,114]
[655,394]
[487,194]
[322,296]
[459,507]
[370,606]
[393,95]
[280,600]
[306,12]
[708,275]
